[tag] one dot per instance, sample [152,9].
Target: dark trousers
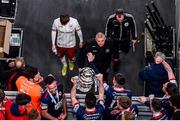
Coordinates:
[119,46]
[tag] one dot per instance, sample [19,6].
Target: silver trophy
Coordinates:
[86,79]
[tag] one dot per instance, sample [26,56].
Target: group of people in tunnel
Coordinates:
[44,98]
[120,29]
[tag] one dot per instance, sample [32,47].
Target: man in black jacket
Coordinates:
[121,27]
[100,51]
[11,73]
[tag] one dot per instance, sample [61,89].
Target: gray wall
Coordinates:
[36,17]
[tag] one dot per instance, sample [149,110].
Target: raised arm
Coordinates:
[73,92]
[101,87]
[169,70]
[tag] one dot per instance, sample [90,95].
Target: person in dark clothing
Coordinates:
[155,76]
[124,104]
[9,76]
[8,64]
[121,28]
[113,91]
[174,102]
[53,101]
[93,110]
[16,110]
[169,89]
[101,49]
[156,107]
[5,66]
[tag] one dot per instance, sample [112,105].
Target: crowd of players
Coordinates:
[44,98]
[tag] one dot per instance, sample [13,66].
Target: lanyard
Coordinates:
[57,96]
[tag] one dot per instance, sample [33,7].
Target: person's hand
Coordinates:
[62,116]
[54,49]
[80,44]
[79,69]
[151,96]
[99,77]
[134,41]
[115,111]
[74,80]
[90,57]
[163,61]
[142,99]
